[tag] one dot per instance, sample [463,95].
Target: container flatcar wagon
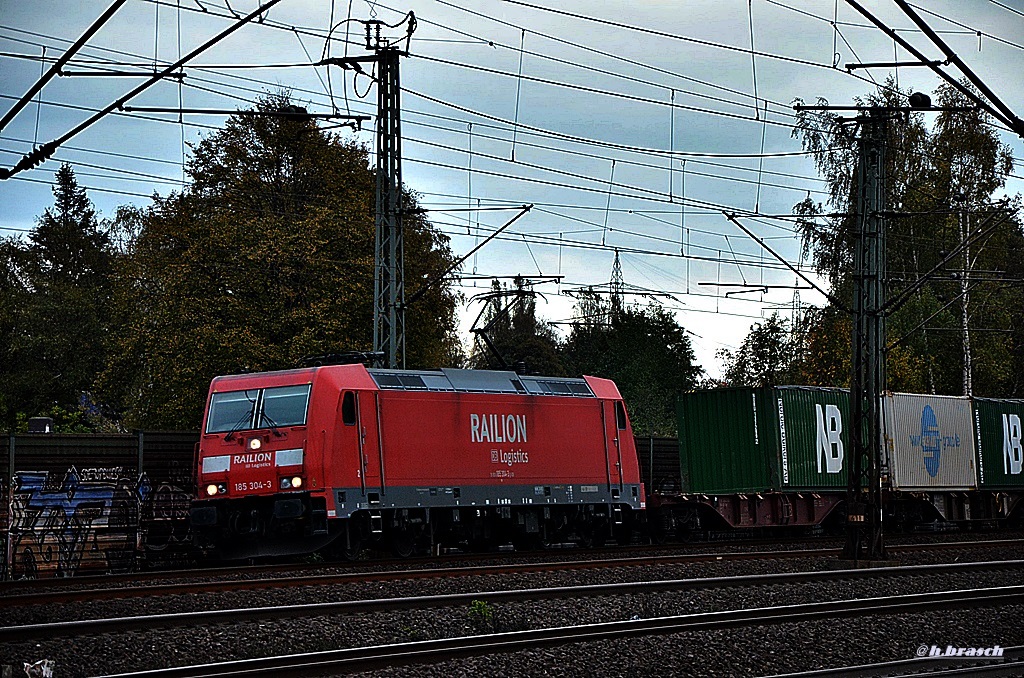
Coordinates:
[930,470]
[341,455]
[768,457]
[760,457]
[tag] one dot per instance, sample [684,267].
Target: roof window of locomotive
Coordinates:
[558,387]
[580,388]
[385,380]
[411,381]
[398,380]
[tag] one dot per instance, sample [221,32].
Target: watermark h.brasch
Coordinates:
[993,651]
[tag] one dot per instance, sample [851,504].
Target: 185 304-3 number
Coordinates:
[255,485]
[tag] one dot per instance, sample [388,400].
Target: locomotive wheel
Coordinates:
[351,549]
[403,544]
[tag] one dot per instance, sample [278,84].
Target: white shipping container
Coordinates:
[929,442]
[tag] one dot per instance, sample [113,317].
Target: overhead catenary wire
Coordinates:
[515,236]
[670,150]
[608,55]
[64,58]
[1015,123]
[941,73]
[673,36]
[596,90]
[47,149]
[537,130]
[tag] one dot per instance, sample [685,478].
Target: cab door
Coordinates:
[370,450]
[613,417]
[349,441]
[358,438]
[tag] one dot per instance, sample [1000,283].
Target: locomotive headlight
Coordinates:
[211,490]
[290,483]
[255,443]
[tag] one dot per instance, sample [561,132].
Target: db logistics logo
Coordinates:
[931,441]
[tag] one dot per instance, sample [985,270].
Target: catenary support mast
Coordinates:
[864,501]
[389,258]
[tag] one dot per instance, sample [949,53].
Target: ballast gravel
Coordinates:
[755,650]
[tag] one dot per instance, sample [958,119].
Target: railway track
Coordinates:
[208,617]
[60,591]
[819,544]
[434,651]
[241,571]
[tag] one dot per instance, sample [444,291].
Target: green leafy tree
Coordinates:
[941,183]
[13,298]
[643,349]
[266,258]
[54,305]
[769,356]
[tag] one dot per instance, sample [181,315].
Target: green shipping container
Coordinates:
[997,425]
[744,440]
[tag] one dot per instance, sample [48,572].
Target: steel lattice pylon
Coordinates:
[617,285]
[389,246]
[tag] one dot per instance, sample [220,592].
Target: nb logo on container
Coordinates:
[830,445]
[1012,456]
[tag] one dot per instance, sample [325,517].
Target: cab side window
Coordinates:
[620,416]
[348,409]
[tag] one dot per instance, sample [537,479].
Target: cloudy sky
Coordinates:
[633,125]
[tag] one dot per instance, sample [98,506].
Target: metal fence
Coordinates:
[659,464]
[92,504]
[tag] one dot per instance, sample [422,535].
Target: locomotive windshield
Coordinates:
[284,406]
[258,408]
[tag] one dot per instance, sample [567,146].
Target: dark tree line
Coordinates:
[264,258]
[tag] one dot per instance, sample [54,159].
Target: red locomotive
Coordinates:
[340,456]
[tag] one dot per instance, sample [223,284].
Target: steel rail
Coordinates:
[205,617]
[227,571]
[220,586]
[14,600]
[18,586]
[331,662]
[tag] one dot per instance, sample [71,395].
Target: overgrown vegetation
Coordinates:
[943,183]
